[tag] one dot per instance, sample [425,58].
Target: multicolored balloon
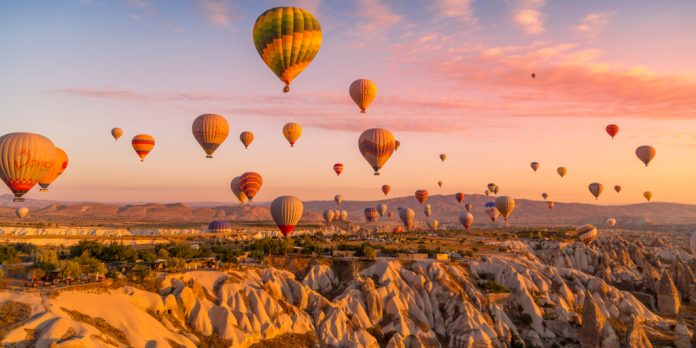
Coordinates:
[25,158]
[407,215]
[143,145]
[60,163]
[220,226]
[234,186]
[250,183]
[246,137]
[381,209]
[338,168]
[376,145]
[596,189]
[210,130]
[371,214]
[466,219]
[586,233]
[363,92]
[612,130]
[535,166]
[645,153]
[386,189]
[116,133]
[421,196]
[492,211]
[287,39]
[459,197]
[292,132]
[286,212]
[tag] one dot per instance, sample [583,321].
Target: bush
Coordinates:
[7,253]
[47,260]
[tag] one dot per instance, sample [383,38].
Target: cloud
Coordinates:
[528,16]
[218,12]
[459,9]
[378,17]
[143,8]
[593,24]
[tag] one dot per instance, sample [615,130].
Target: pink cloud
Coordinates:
[593,24]
[459,9]
[528,16]
[218,12]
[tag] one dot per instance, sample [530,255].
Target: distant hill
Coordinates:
[445,208]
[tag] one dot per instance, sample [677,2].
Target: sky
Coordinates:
[453,77]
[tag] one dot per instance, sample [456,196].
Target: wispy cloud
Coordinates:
[593,24]
[377,15]
[529,17]
[143,8]
[458,9]
[218,12]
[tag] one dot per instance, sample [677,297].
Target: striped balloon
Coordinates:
[466,219]
[116,133]
[386,189]
[25,158]
[338,168]
[459,197]
[210,130]
[250,183]
[381,209]
[143,144]
[246,138]
[292,132]
[234,185]
[371,214]
[612,129]
[596,189]
[287,39]
[220,226]
[363,92]
[505,205]
[586,233]
[344,215]
[407,215]
[376,145]
[427,210]
[286,212]
[328,215]
[60,163]
[421,196]
[645,153]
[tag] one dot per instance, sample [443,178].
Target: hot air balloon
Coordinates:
[439,183]
[505,205]
[428,210]
[287,39]
[250,183]
[386,189]
[645,153]
[550,204]
[493,188]
[492,211]
[617,188]
[561,171]
[116,133]
[692,243]
[286,212]
[328,215]
[459,197]
[143,144]
[210,130]
[443,157]
[544,195]
[363,92]
[596,189]
[25,158]
[533,76]
[586,233]
[397,144]
[648,195]
[376,145]
[407,215]
[434,225]
[390,214]
[488,193]
[220,226]
[338,199]
[22,212]
[466,218]
[468,207]
[371,214]
[611,222]
[398,229]
[246,137]
[292,132]
[535,166]
[381,208]
[612,129]
[59,164]
[421,196]
[344,215]
[338,168]
[234,185]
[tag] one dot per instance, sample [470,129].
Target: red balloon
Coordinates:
[338,168]
[612,129]
[459,196]
[386,189]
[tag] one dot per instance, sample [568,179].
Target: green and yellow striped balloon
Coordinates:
[287,38]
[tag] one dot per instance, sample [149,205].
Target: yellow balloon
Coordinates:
[292,132]
[648,195]
[376,145]
[116,133]
[59,164]
[25,158]
[210,130]
[363,92]
[234,185]
[246,138]
[286,212]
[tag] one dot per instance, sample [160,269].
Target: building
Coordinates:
[412,257]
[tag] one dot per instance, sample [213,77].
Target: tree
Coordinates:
[7,253]
[70,269]
[47,260]
[90,265]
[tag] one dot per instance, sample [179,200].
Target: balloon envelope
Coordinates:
[459,197]
[286,212]
[611,222]
[386,189]
[443,157]
[328,215]
[376,145]
[434,224]
[645,153]
[363,92]
[60,163]
[421,196]
[116,133]
[381,209]
[371,214]
[292,132]
[22,212]
[586,233]
[250,183]
[596,189]
[505,205]
[338,168]
[338,199]
[246,138]
[545,195]
[617,188]
[407,215]
[25,158]
[648,195]
[428,210]
[143,145]
[210,130]
[234,186]
[561,171]
[612,130]
[535,166]
[287,39]
[220,226]
[466,219]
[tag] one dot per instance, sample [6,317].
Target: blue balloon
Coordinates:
[220,226]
